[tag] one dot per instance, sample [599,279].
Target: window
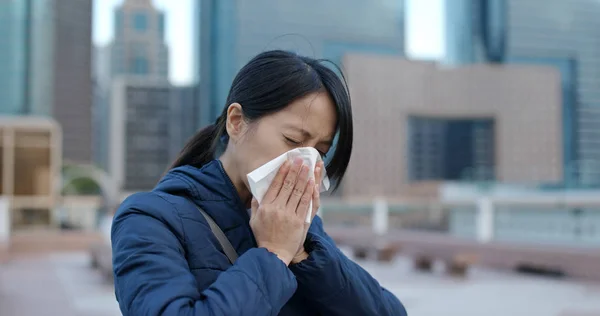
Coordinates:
[140,21]
[139,66]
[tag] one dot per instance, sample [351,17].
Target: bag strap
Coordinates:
[219,234]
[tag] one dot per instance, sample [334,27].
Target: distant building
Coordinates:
[139,132]
[101,107]
[31,162]
[417,124]
[232,32]
[45,66]
[137,52]
[72,77]
[557,33]
[184,110]
[139,47]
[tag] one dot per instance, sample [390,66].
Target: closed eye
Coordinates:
[294,142]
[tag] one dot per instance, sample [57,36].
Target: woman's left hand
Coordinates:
[302,254]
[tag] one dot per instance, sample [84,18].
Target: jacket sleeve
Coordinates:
[335,285]
[152,276]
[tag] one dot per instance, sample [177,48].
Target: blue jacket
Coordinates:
[166,260]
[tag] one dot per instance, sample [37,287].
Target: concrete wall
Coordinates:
[524,101]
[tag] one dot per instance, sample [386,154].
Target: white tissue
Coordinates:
[261,178]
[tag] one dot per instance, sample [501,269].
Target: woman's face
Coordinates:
[307,122]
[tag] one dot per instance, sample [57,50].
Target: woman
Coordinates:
[167,260]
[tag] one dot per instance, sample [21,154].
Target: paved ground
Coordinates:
[58,284]
[63,284]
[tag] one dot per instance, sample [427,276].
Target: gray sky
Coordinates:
[424,38]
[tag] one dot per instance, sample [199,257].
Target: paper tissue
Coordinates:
[261,178]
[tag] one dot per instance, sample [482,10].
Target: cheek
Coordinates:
[259,150]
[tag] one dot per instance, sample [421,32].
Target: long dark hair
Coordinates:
[267,84]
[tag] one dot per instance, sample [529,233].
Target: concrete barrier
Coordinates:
[459,253]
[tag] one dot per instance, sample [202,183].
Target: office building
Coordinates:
[561,34]
[13,43]
[139,47]
[26,51]
[45,66]
[139,52]
[72,77]
[418,124]
[139,132]
[233,31]
[184,110]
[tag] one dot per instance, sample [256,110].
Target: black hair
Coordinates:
[268,83]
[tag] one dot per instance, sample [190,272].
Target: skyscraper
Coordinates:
[45,66]
[233,31]
[13,56]
[72,77]
[139,133]
[132,103]
[554,33]
[139,48]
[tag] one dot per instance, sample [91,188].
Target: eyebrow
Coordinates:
[307,134]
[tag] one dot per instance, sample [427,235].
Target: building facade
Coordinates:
[26,52]
[486,122]
[233,31]
[45,66]
[561,34]
[183,113]
[31,162]
[137,52]
[139,132]
[139,47]
[72,77]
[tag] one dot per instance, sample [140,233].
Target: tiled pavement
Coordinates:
[64,284]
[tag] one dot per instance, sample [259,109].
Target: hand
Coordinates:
[301,254]
[278,223]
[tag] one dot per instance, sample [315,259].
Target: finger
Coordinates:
[299,188]
[277,183]
[316,198]
[318,173]
[253,207]
[289,182]
[304,206]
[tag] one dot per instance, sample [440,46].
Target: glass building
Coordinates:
[557,33]
[233,31]
[26,62]
[13,57]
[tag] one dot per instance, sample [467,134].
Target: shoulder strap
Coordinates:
[223,241]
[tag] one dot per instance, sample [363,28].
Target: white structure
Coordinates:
[524,214]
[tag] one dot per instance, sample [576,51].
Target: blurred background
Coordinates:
[474,185]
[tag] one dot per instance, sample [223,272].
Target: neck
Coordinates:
[234,174]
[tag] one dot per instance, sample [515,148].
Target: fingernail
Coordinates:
[298,161]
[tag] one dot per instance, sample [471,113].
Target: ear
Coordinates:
[236,124]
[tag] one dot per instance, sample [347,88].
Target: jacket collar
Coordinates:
[211,189]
